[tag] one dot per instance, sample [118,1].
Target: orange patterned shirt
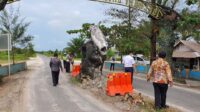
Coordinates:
[161,72]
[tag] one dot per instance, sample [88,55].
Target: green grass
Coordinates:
[74,80]
[149,107]
[18,57]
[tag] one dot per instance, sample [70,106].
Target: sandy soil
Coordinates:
[12,89]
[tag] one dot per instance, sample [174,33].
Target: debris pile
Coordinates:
[126,103]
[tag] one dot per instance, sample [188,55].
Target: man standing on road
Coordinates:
[112,65]
[64,60]
[129,64]
[161,72]
[55,65]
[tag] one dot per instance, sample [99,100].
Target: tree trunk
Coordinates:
[154,32]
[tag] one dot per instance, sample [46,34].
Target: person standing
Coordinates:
[129,64]
[56,66]
[112,65]
[68,63]
[161,73]
[64,60]
[72,59]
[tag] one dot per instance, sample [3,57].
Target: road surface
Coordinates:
[43,97]
[186,99]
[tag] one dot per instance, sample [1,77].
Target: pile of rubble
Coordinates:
[135,102]
[127,103]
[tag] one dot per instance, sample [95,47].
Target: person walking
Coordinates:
[161,73]
[56,66]
[129,64]
[112,65]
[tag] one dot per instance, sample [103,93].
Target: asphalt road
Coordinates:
[43,97]
[186,99]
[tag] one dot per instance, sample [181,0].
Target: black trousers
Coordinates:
[129,69]
[64,63]
[67,68]
[55,77]
[112,66]
[160,92]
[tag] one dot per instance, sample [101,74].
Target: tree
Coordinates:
[74,46]
[85,33]
[126,40]
[189,25]
[11,23]
[125,36]
[110,53]
[30,50]
[190,2]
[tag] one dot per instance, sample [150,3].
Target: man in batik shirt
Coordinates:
[161,73]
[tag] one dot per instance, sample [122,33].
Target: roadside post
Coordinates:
[5,45]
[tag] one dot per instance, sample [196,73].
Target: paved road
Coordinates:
[43,97]
[186,99]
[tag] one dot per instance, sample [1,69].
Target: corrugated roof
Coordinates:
[192,45]
[182,54]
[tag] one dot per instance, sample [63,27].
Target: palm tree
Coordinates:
[12,24]
[74,46]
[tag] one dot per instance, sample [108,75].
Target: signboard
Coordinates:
[5,45]
[5,42]
[147,7]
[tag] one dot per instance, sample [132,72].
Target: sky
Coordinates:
[50,19]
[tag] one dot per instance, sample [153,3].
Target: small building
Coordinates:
[187,55]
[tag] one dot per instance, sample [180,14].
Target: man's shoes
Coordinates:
[54,84]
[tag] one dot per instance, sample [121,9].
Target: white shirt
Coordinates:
[128,61]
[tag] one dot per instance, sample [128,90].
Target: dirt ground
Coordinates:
[12,90]
[11,95]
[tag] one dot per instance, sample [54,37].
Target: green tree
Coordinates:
[110,53]
[190,2]
[74,46]
[11,23]
[85,33]
[30,50]
[136,42]
[189,25]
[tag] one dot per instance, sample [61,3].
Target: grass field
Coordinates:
[18,57]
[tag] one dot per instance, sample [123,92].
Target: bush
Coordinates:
[110,53]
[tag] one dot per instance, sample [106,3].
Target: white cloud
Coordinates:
[51,18]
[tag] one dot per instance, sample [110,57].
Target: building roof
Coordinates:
[182,54]
[190,44]
[194,46]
